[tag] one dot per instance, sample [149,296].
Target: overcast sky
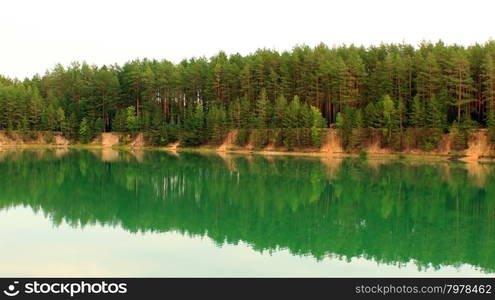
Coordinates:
[35,35]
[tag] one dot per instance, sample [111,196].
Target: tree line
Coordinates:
[407,95]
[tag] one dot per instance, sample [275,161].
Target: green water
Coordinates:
[108,213]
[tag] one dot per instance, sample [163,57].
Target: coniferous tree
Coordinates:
[491,126]
[390,121]
[290,123]
[132,120]
[84,131]
[460,79]
[120,121]
[305,123]
[359,132]
[260,134]
[317,127]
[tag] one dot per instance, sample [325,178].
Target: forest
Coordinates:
[405,94]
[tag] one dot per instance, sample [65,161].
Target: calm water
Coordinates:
[108,213]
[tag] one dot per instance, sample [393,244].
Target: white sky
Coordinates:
[35,35]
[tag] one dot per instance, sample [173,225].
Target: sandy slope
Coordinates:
[109,139]
[478,146]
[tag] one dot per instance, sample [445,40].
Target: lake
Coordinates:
[93,213]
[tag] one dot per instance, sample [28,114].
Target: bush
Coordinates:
[49,138]
[363,154]
[191,138]
[162,136]
[260,137]
[242,137]
[278,137]
[84,132]
[29,136]
[455,155]
[305,137]
[316,136]
[291,138]
[460,137]
[358,138]
[125,139]
[427,146]
[10,134]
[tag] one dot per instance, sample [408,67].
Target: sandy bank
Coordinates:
[479,148]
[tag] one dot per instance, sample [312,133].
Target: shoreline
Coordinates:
[208,149]
[479,150]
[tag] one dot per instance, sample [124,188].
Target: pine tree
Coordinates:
[305,123]
[74,127]
[120,121]
[132,120]
[345,123]
[99,126]
[460,82]
[193,131]
[318,124]
[373,115]
[279,111]
[459,79]
[459,137]
[234,114]
[488,76]
[262,111]
[435,123]
[216,124]
[359,132]
[390,121]
[417,115]
[35,109]
[260,134]
[491,126]
[291,122]
[429,77]
[84,131]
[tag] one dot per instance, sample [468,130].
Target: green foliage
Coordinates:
[242,137]
[359,133]
[290,123]
[491,127]
[259,137]
[318,126]
[363,154]
[460,135]
[120,121]
[279,112]
[99,126]
[73,127]
[132,120]
[163,135]
[216,124]
[49,138]
[125,139]
[417,117]
[262,111]
[388,89]
[390,123]
[345,125]
[193,130]
[304,126]
[84,131]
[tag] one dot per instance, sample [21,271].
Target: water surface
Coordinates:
[109,213]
